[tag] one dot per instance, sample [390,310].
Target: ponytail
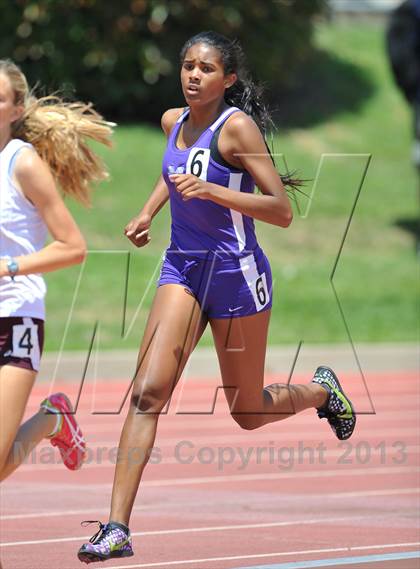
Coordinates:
[247,96]
[59,132]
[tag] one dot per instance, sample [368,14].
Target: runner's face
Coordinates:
[9,112]
[203,77]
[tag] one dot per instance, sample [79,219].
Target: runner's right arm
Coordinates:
[137,230]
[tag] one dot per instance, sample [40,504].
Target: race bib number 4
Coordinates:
[25,342]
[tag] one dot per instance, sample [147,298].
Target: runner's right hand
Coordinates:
[137,230]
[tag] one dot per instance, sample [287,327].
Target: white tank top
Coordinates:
[22,231]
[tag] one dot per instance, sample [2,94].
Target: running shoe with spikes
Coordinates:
[338,409]
[66,436]
[112,540]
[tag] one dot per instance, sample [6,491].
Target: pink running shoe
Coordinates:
[67,435]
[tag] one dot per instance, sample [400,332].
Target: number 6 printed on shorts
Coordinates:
[260,292]
[256,282]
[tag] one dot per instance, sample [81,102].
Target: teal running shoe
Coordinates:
[338,409]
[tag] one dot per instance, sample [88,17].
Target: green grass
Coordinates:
[376,277]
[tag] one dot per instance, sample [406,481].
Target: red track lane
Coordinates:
[218,497]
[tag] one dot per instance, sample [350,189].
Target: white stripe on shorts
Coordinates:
[257,283]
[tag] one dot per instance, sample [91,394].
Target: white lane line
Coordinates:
[340,561]
[199,530]
[105,487]
[364,547]
[27,489]
[306,497]
[314,436]
[367,493]
[268,555]
[301,429]
[100,423]
[282,475]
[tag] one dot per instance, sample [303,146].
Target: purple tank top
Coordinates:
[201,226]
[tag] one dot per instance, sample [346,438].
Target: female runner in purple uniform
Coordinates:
[214,270]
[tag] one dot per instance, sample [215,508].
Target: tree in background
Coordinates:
[124,55]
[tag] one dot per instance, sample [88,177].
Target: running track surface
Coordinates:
[286,496]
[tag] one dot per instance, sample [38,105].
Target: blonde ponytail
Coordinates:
[60,131]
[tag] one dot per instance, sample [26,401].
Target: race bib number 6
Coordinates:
[198,162]
[260,292]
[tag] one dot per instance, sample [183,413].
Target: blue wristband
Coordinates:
[12,267]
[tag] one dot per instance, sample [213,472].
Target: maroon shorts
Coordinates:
[21,342]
